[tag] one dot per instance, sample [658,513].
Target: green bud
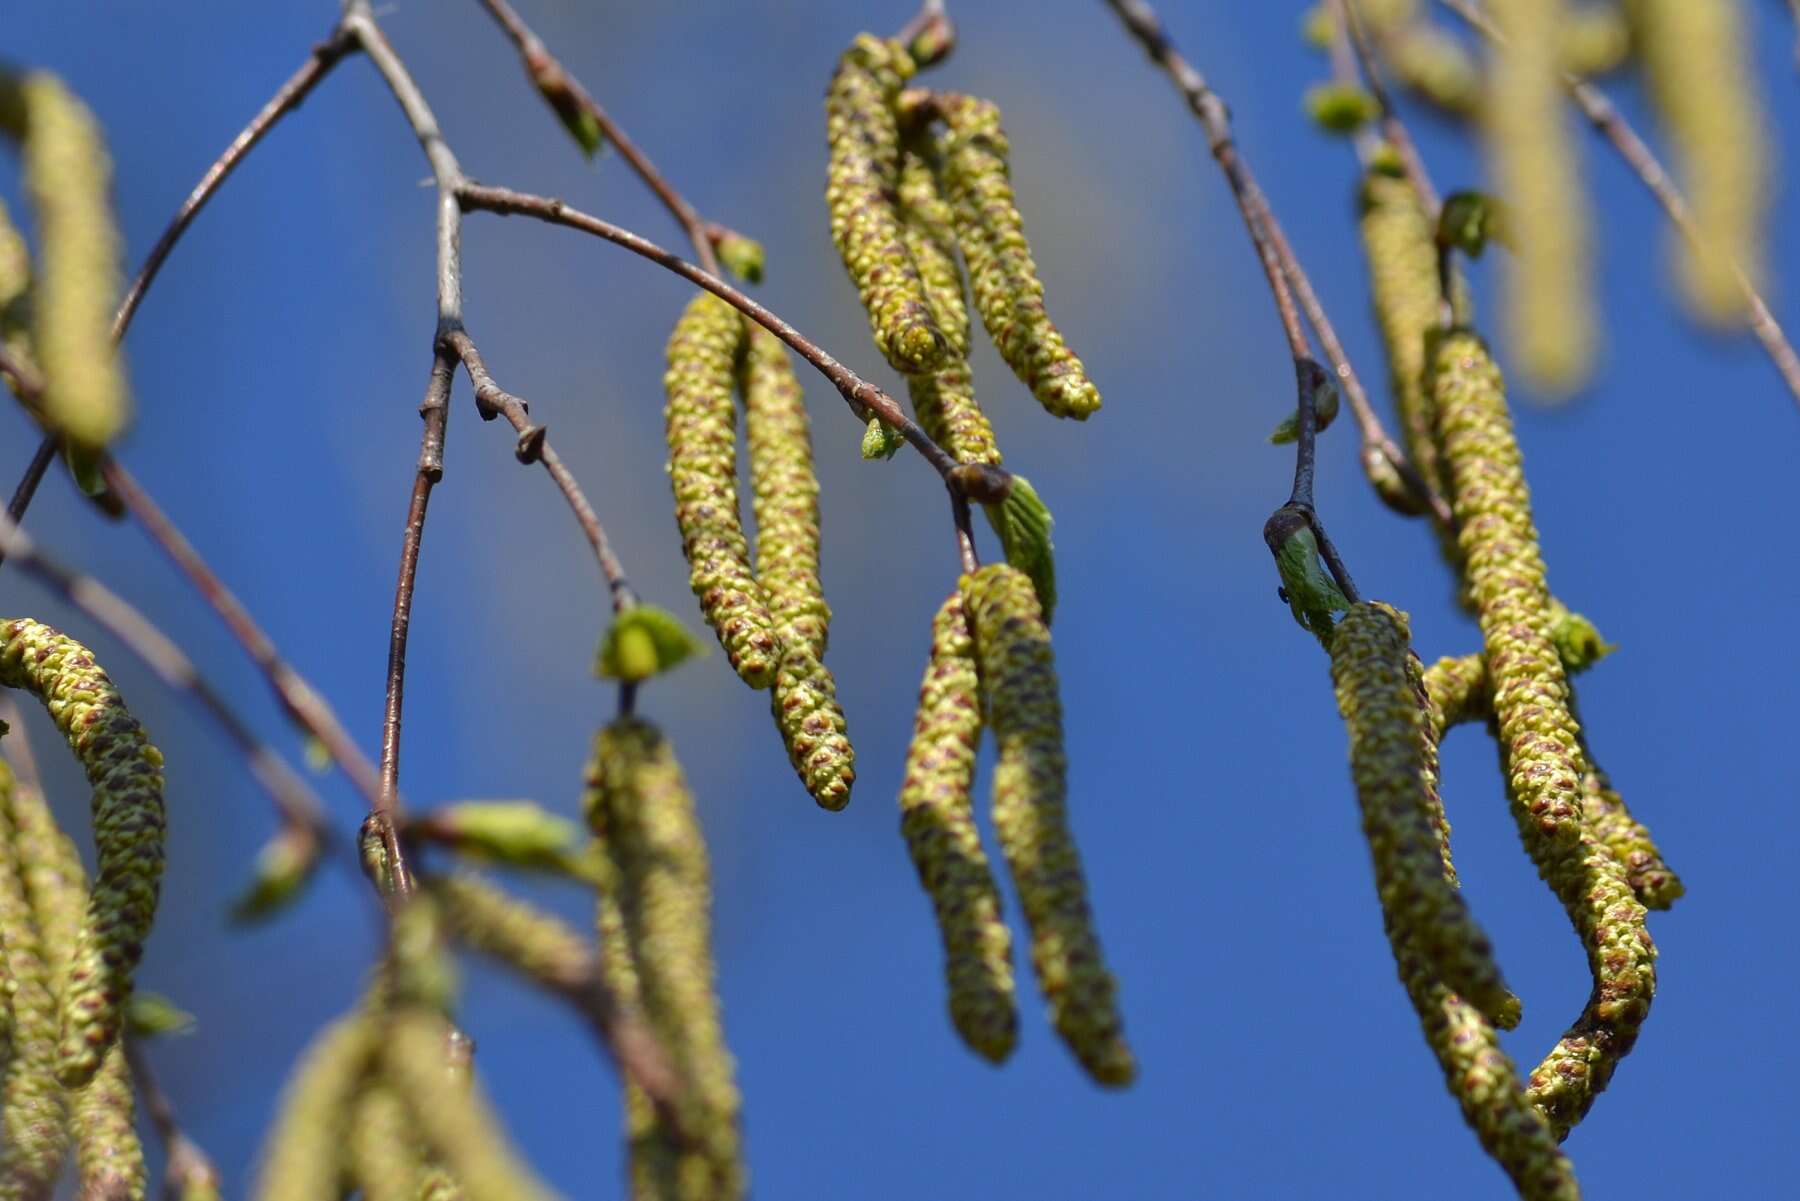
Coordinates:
[150,1015]
[1316,27]
[1469,220]
[1340,108]
[642,642]
[1325,411]
[554,85]
[881,440]
[283,866]
[1577,640]
[741,256]
[316,754]
[1306,586]
[1023,523]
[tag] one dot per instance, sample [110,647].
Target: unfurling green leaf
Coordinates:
[645,641]
[283,867]
[1470,220]
[1325,411]
[881,440]
[1023,523]
[514,833]
[741,256]
[149,1014]
[1305,584]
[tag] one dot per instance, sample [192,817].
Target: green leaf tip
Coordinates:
[150,1015]
[1578,641]
[741,256]
[644,641]
[881,440]
[1325,411]
[1308,588]
[1023,523]
[513,833]
[558,91]
[1340,108]
[283,866]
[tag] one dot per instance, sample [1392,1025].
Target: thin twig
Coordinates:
[28,484]
[1612,125]
[864,398]
[298,805]
[1348,33]
[187,1167]
[1142,23]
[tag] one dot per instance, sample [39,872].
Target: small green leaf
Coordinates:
[1023,523]
[1311,593]
[1577,640]
[1325,411]
[283,866]
[880,440]
[1469,220]
[149,1014]
[642,642]
[1340,108]
[742,256]
[520,834]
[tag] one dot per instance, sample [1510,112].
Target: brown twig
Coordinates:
[298,805]
[187,1165]
[1612,125]
[1349,34]
[1141,21]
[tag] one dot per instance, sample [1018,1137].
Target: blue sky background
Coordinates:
[278,365]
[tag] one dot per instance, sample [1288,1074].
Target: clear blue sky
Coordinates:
[278,365]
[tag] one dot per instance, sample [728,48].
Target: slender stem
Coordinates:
[864,398]
[187,1166]
[965,533]
[1141,21]
[1612,125]
[1348,33]
[28,483]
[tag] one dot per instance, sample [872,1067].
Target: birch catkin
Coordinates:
[32,1134]
[68,176]
[304,1158]
[786,500]
[658,897]
[109,1159]
[701,422]
[1002,275]
[1550,313]
[126,774]
[1504,575]
[1020,704]
[864,139]
[1382,700]
[384,1152]
[938,820]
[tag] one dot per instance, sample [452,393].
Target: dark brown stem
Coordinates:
[188,1167]
[28,483]
[864,398]
[965,533]
[1612,125]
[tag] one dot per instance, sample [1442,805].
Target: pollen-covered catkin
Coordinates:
[1703,83]
[1549,309]
[938,820]
[68,176]
[304,1157]
[1004,279]
[32,1134]
[701,421]
[1382,701]
[486,919]
[1504,575]
[384,1153]
[109,1159]
[125,771]
[785,494]
[1020,704]
[640,810]
[1655,885]
[863,135]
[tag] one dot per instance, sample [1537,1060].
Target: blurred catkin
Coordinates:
[1002,276]
[304,1158]
[701,421]
[385,1161]
[1504,574]
[108,1157]
[125,771]
[1382,701]
[1020,704]
[68,177]
[863,136]
[32,1134]
[785,494]
[1703,82]
[938,820]
[538,945]
[1550,316]
[656,908]
[15,290]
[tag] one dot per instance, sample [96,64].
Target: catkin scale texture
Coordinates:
[125,771]
[701,421]
[32,1134]
[938,821]
[656,907]
[1504,575]
[1393,761]
[1021,706]
[109,1159]
[863,135]
[384,1154]
[1002,276]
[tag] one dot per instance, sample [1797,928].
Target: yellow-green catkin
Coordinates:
[125,771]
[1382,700]
[486,919]
[304,1159]
[938,820]
[785,495]
[1020,705]
[701,421]
[109,1159]
[32,1134]
[68,176]
[1459,691]
[1703,82]
[1432,64]
[1549,309]
[15,290]
[660,896]
[1596,38]
[439,1185]
[384,1147]
[863,135]
[456,1122]
[1002,276]
[1504,575]
[1654,883]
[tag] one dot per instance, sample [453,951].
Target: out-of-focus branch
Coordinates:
[187,1167]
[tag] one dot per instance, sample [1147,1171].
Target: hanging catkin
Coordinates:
[1382,700]
[304,1157]
[701,423]
[384,1147]
[15,291]
[655,909]
[538,945]
[1550,316]
[109,1159]
[938,820]
[126,774]
[1504,575]
[1020,704]
[1701,77]
[785,495]
[69,179]
[864,139]
[32,1133]
[1002,275]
